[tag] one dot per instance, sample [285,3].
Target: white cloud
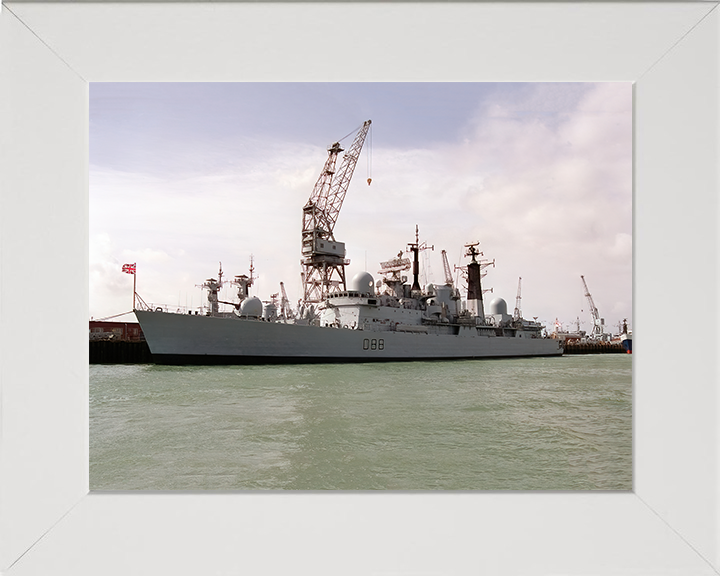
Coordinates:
[542,178]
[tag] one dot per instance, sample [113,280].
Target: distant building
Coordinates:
[127,331]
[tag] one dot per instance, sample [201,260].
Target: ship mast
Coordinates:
[243,282]
[392,273]
[474,291]
[416,248]
[213,287]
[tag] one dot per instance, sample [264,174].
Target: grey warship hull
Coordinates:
[192,339]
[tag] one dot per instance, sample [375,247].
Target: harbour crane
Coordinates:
[446,268]
[517,314]
[598,323]
[323,258]
[285,310]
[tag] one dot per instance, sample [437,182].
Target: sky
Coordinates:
[185,176]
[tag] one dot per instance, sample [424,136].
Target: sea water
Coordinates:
[562,423]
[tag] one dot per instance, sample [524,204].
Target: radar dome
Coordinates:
[498,306]
[251,307]
[363,282]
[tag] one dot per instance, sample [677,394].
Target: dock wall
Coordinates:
[119,352]
[125,352]
[594,348]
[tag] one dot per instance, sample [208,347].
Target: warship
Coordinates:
[360,320]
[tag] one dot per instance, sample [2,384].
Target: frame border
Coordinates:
[49,521]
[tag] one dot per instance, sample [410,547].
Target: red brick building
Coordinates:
[128,331]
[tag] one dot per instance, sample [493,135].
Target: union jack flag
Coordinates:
[128,268]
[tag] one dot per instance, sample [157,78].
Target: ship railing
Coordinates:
[197,311]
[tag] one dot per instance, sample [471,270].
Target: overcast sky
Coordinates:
[184,176]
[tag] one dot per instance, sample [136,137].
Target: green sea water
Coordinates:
[517,424]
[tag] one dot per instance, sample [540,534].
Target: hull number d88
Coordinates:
[373,344]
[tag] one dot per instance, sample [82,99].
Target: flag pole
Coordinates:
[132,269]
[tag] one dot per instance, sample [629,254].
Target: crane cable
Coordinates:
[368,148]
[354,131]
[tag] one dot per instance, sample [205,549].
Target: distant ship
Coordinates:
[339,321]
[626,338]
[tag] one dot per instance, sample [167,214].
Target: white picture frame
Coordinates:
[50,523]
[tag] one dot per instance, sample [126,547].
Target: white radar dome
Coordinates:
[363,282]
[252,307]
[498,306]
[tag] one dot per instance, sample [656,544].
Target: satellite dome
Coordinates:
[251,307]
[498,306]
[363,282]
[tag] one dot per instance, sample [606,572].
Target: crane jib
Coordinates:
[324,258]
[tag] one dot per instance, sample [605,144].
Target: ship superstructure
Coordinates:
[394,319]
[391,320]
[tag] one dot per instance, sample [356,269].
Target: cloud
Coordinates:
[548,194]
[541,175]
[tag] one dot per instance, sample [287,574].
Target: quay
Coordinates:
[138,352]
[594,348]
[119,352]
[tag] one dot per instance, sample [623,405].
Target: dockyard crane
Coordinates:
[323,257]
[285,310]
[446,268]
[597,330]
[517,314]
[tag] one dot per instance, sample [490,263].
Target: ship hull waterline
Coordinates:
[181,339]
